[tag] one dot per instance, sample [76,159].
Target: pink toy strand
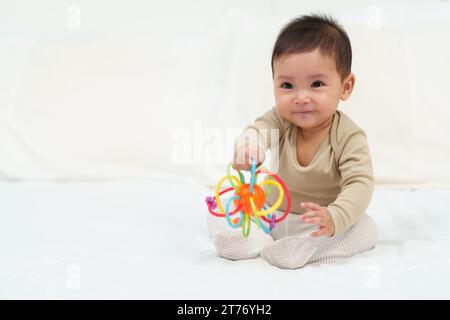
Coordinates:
[217,214]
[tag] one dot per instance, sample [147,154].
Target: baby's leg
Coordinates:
[295,251]
[230,243]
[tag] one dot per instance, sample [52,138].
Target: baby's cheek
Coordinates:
[282,109]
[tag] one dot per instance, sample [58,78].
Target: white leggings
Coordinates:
[290,244]
[360,237]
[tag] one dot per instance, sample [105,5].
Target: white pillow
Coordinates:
[126,105]
[104,106]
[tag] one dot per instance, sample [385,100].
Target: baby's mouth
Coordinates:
[303,112]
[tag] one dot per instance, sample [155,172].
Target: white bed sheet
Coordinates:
[150,240]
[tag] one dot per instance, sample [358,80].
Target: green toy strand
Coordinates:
[246,226]
[229,178]
[241,176]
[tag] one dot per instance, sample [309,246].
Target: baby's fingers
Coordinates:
[317,221]
[236,166]
[311,214]
[310,206]
[321,232]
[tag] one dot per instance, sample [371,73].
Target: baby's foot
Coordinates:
[230,243]
[290,252]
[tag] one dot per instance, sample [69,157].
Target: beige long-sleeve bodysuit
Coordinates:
[339,177]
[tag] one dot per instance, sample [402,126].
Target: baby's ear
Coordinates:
[347,86]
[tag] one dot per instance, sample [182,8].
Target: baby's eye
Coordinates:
[289,86]
[317,84]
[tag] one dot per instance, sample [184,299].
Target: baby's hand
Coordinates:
[320,217]
[244,154]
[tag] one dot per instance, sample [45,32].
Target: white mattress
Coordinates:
[151,240]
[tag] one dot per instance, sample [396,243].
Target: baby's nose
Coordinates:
[302,98]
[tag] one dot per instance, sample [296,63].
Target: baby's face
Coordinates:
[308,88]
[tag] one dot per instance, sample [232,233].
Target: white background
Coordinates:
[102,91]
[95,90]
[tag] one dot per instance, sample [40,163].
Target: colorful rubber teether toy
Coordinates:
[249,199]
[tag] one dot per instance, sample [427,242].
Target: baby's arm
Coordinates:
[257,138]
[355,166]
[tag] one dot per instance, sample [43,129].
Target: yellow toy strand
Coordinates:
[279,201]
[219,204]
[257,217]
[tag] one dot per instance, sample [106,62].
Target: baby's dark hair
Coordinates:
[306,33]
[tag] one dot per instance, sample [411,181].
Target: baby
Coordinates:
[324,157]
